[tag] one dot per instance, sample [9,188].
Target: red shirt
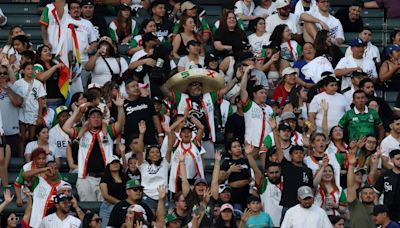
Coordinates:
[280,94]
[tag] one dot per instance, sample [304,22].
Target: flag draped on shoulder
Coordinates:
[69,55]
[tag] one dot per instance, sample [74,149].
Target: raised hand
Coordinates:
[119,100]
[361,142]
[162,191]
[245,216]
[7,196]
[166,127]
[248,148]
[207,196]
[352,157]
[142,126]
[272,123]
[325,161]
[324,105]
[217,156]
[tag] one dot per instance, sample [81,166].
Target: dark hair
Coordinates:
[277,34]
[253,23]
[315,135]
[395,118]
[23,39]
[252,199]
[364,154]
[295,147]
[393,34]
[365,81]
[334,219]
[294,97]
[230,142]
[329,79]
[112,52]
[87,219]
[394,153]
[90,96]
[221,223]
[224,25]
[272,164]
[4,218]
[121,32]
[107,173]
[177,196]
[149,147]
[144,24]
[320,41]
[38,129]
[23,66]
[358,91]
[75,98]
[365,28]
[331,131]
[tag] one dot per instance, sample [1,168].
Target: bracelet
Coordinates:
[161,134]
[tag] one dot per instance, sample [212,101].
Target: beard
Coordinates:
[275,180]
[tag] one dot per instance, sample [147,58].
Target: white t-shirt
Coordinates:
[257,42]
[28,112]
[241,8]
[299,8]
[337,107]
[187,64]
[314,165]
[49,117]
[154,176]
[388,144]
[316,67]
[34,144]
[58,140]
[270,195]
[371,52]
[335,27]
[86,34]
[299,217]
[101,74]
[274,20]
[258,11]
[2,15]
[366,64]
[52,221]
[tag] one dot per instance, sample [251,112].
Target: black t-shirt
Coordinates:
[100,25]
[116,190]
[333,54]
[52,89]
[136,111]
[199,112]
[293,178]
[348,26]
[95,162]
[118,213]
[164,28]
[238,40]
[134,175]
[235,124]
[244,174]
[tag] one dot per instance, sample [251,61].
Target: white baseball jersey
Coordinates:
[52,221]
[58,140]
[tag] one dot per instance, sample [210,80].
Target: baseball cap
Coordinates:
[223,187]
[93,110]
[61,197]
[281,3]
[94,86]
[359,73]
[392,48]
[284,126]
[112,159]
[61,109]
[86,2]
[171,218]
[138,210]
[357,42]
[106,39]
[288,70]
[193,42]
[200,180]
[133,184]
[380,208]
[148,37]
[359,169]
[157,2]
[187,6]
[123,7]
[226,206]
[186,127]
[288,116]
[210,57]
[242,56]
[304,192]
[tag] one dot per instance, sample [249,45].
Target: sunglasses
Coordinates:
[4,73]
[137,189]
[196,84]
[14,218]
[97,220]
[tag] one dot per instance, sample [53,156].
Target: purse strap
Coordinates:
[108,65]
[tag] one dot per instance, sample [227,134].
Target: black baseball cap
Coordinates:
[148,37]
[359,73]
[284,126]
[380,208]
[87,2]
[193,42]
[61,197]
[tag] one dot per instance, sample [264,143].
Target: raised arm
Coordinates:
[244,96]
[279,150]
[185,182]
[119,125]
[215,175]
[8,198]
[28,208]
[325,107]
[229,85]
[45,75]
[138,150]
[258,175]
[160,212]
[320,170]
[31,173]
[68,126]
[199,126]
[351,185]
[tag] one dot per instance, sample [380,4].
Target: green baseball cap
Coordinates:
[133,184]
[61,109]
[171,218]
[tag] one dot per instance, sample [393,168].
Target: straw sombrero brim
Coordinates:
[211,80]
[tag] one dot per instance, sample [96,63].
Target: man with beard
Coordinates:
[388,184]
[98,21]
[360,211]
[306,214]
[61,218]
[269,187]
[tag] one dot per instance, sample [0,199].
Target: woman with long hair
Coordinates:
[123,28]
[112,187]
[273,64]
[42,141]
[236,171]
[389,72]
[186,32]
[91,220]
[336,221]
[368,146]
[259,36]
[297,102]
[229,38]
[148,25]
[106,65]
[46,71]
[290,49]
[329,195]
[226,217]
[308,55]
[325,47]
[8,50]
[20,43]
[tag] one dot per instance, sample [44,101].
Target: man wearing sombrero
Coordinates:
[199,90]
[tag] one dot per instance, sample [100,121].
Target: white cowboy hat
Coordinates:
[210,80]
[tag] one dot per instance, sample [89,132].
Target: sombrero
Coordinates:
[211,80]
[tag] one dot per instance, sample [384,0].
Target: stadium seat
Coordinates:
[374,23]
[368,13]
[70,177]
[392,24]
[19,9]
[25,21]
[391,96]
[212,10]
[16,164]
[211,20]
[340,2]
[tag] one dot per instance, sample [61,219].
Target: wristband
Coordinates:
[160,134]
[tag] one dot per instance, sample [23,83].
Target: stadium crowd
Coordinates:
[306,142]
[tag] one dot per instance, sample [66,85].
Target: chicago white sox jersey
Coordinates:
[52,221]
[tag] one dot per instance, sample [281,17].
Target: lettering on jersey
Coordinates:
[388,187]
[305,178]
[130,110]
[153,169]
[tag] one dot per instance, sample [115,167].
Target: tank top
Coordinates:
[182,47]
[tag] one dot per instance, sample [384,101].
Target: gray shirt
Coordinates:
[9,113]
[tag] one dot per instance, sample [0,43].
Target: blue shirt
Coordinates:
[299,64]
[393,225]
[262,220]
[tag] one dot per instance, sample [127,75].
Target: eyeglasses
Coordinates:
[4,73]
[13,218]
[285,8]
[196,84]
[137,189]
[97,220]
